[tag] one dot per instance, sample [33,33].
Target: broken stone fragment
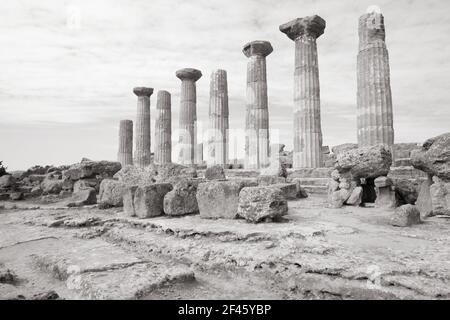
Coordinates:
[215,172]
[382,182]
[386,197]
[258,204]
[440,197]
[90,169]
[149,200]
[424,203]
[405,216]
[355,198]
[83,197]
[220,199]
[289,190]
[128,201]
[301,192]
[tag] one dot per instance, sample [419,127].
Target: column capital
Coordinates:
[143,91]
[371,27]
[188,74]
[312,26]
[257,48]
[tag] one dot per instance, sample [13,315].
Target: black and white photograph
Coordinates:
[211,150]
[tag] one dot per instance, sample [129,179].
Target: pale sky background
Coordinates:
[68,67]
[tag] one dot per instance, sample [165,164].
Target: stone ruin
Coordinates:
[373,172]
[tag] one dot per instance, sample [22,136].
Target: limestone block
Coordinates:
[258,204]
[149,200]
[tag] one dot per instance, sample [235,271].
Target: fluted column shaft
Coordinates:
[188,115]
[163,129]
[374,99]
[257,112]
[218,119]
[307,121]
[125,153]
[142,127]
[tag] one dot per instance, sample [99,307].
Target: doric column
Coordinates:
[125,153]
[163,129]
[257,112]
[142,127]
[374,103]
[188,115]
[307,124]
[218,119]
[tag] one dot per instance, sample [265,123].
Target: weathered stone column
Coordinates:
[188,115]
[142,127]
[125,153]
[218,119]
[163,129]
[257,114]
[374,103]
[307,124]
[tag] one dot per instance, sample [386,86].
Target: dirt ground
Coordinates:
[316,253]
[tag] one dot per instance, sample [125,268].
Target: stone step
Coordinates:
[315,189]
[313,181]
[402,162]
[310,173]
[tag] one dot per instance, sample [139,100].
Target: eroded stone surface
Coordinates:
[258,204]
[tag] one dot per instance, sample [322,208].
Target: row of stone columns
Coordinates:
[374,103]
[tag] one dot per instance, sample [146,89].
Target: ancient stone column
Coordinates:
[374,102]
[307,125]
[257,112]
[218,119]
[142,127]
[163,129]
[125,153]
[188,115]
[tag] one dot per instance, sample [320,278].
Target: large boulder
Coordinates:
[365,162]
[220,199]
[258,204]
[149,200]
[111,193]
[405,216]
[182,199]
[215,172]
[434,157]
[90,169]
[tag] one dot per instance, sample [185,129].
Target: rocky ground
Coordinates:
[49,251]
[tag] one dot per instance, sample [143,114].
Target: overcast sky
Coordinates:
[68,67]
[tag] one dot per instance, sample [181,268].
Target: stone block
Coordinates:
[149,200]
